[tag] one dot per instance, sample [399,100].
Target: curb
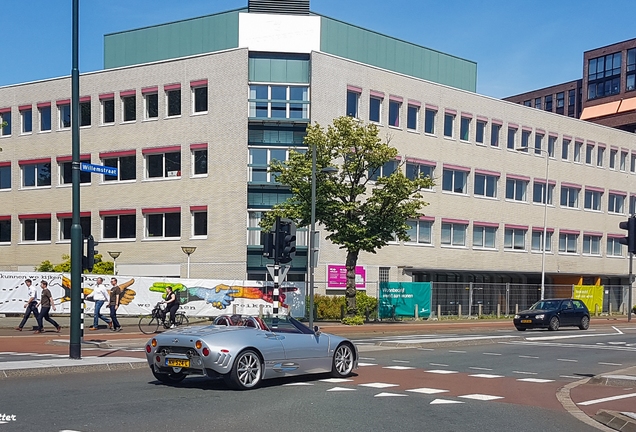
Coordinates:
[70,369]
[616,420]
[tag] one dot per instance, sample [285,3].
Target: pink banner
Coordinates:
[337,276]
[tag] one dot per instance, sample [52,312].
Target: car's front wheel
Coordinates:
[343,360]
[169,378]
[585,323]
[554,324]
[247,371]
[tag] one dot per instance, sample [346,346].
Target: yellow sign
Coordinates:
[591,295]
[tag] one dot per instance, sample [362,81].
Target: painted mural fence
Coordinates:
[198,297]
[404,299]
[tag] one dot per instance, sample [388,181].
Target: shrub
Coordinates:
[354,320]
[331,307]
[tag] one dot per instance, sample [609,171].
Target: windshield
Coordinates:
[546,305]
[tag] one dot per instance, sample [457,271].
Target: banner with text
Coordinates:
[591,295]
[399,299]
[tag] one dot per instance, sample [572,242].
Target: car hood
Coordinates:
[534,312]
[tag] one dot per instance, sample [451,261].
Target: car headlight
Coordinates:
[540,316]
[517,316]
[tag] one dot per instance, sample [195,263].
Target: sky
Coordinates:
[518,45]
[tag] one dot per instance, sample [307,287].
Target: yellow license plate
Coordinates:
[178,363]
[526,321]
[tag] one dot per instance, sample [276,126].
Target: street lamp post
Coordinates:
[188,250]
[545,214]
[114,255]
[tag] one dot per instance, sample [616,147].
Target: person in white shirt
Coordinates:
[31,305]
[100,295]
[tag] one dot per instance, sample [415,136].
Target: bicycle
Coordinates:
[149,324]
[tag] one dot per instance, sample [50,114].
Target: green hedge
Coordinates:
[331,307]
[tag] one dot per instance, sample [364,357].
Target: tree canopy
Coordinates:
[363,206]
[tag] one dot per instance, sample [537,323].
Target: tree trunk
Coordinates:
[350,292]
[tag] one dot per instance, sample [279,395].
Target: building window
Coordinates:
[276,101]
[591,244]
[375,109]
[260,158]
[85,113]
[384,171]
[480,131]
[66,173]
[394,113]
[5,176]
[36,175]
[600,155]
[494,135]
[538,192]
[173,102]
[449,123]
[516,189]
[453,234]
[632,165]
[415,170]
[254,227]
[108,111]
[484,237]
[199,223]
[27,120]
[565,149]
[577,151]
[567,242]
[151,105]
[616,203]
[5,230]
[163,225]
[551,146]
[384,274]
[527,103]
[200,99]
[412,113]
[569,197]
[5,117]
[464,129]
[36,230]
[129,104]
[612,159]
[119,226]
[614,248]
[511,144]
[537,103]
[538,143]
[623,162]
[593,200]
[126,168]
[65,227]
[632,204]
[548,103]
[200,161]
[525,139]
[486,185]
[589,151]
[64,112]
[571,103]
[537,241]
[631,70]
[419,231]
[163,165]
[454,181]
[560,103]
[45,118]
[515,239]
[603,76]
[429,121]
[353,100]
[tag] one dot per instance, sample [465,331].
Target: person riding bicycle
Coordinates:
[172,305]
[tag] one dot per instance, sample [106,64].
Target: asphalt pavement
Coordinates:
[24,353]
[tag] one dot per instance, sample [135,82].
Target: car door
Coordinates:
[568,313]
[304,352]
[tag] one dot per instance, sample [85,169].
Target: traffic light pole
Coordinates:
[631,288]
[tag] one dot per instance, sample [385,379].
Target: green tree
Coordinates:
[360,214]
[100,267]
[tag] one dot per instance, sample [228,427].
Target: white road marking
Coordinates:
[398,367]
[528,357]
[568,360]
[426,349]
[441,372]
[573,336]
[479,368]
[336,389]
[367,358]
[367,364]
[598,346]
[439,364]
[524,373]
[426,390]
[445,402]
[610,364]
[486,376]
[478,396]
[493,354]
[607,399]
[379,385]
[458,352]
[535,380]
[617,343]
[336,380]
[617,330]
[569,376]
[384,394]
[297,384]
[400,361]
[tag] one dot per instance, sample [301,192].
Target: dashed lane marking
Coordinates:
[441,371]
[528,357]
[336,380]
[297,384]
[400,361]
[479,396]
[339,389]
[426,390]
[535,380]
[379,385]
[445,402]
[610,364]
[398,367]
[525,373]
[492,354]
[438,364]
[384,394]
[457,352]
[568,360]
[479,368]
[607,399]
[367,364]
[489,376]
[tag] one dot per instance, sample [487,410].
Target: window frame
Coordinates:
[453,234]
[149,221]
[44,219]
[454,174]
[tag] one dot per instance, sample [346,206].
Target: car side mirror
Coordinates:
[317,330]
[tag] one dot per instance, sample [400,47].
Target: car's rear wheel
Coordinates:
[554,324]
[585,323]
[343,360]
[247,371]
[169,378]
[521,329]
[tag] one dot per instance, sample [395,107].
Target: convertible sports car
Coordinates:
[246,350]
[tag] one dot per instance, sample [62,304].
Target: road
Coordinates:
[491,380]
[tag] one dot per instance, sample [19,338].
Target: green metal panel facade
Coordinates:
[355,43]
[173,40]
[278,70]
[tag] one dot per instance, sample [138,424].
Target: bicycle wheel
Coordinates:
[181,319]
[148,324]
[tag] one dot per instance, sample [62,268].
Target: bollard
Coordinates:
[234,309]
[439,311]
[342,314]
[609,312]
[480,310]
[416,313]
[459,310]
[498,311]
[516,309]
[596,310]
[366,314]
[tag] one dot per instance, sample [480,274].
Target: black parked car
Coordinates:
[554,313]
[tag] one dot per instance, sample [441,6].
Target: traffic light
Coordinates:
[285,241]
[269,248]
[630,240]
[88,261]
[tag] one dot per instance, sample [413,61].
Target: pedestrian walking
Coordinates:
[46,303]
[100,295]
[115,293]
[31,305]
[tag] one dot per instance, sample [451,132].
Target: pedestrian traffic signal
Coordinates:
[630,240]
[286,239]
[88,261]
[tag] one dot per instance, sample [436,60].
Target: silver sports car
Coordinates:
[246,350]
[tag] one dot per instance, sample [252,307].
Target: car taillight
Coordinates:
[154,342]
[148,349]
[206,352]
[158,359]
[198,344]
